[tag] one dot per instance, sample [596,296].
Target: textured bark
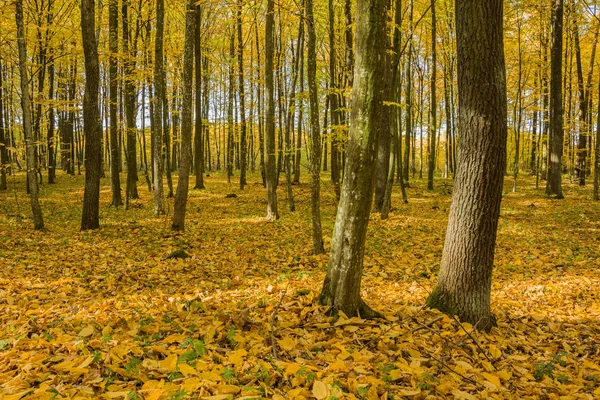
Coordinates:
[315,132]
[334,130]
[50,133]
[597,152]
[130,106]
[159,89]
[198,134]
[183,182]
[465,277]
[230,126]
[242,102]
[409,101]
[433,130]
[3,136]
[341,289]
[554,187]
[113,44]
[91,120]
[270,165]
[38,221]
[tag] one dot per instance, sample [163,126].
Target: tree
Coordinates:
[243,144]
[113,40]
[554,183]
[130,106]
[270,172]
[315,132]
[433,128]
[464,283]
[159,94]
[183,183]
[341,288]
[91,119]
[38,221]
[198,136]
[3,135]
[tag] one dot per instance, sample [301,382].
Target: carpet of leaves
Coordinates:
[107,314]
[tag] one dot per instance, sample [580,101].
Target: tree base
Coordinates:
[363,310]
[442,301]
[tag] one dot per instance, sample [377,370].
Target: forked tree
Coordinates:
[38,220]
[464,284]
[341,289]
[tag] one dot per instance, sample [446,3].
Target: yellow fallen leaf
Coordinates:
[287,343]
[319,390]
[492,379]
[169,363]
[228,389]
[87,331]
[338,365]
[186,369]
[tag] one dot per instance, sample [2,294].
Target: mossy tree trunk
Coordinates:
[341,289]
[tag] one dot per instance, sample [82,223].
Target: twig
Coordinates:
[427,324]
[475,341]
[451,370]
[273,316]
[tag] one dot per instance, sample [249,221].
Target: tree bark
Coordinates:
[183,182]
[334,131]
[91,119]
[341,288]
[243,144]
[554,187]
[465,277]
[113,44]
[198,134]
[3,137]
[315,132]
[130,107]
[433,128]
[159,89]
[270,165]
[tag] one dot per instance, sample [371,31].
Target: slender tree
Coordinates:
[554,184]
[464,283]
[198,136]
[159,90]
[242,99]
[433,127]
[130,105]
[341,288]
[113,45]
[181,195]
[315,129]
[270,165]
[91,119]
[38,221]
[3,136]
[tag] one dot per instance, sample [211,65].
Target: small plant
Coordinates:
[228,374]
[560,358]
[562,378]
[172,376]
[363,391]
[133,367]
[543,369]
[132,396]
[178,395]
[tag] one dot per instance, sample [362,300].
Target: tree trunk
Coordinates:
[433,127]
[270,172]
[198,134]
[409,100]
[243,144]
[554,187]
[113,41]
[3,137]
[181,195]
[465,277]
[334,131]
[91,119]
[159,89]
[341,289]
[315,132]
[597,152]
[50,133]
[130,107]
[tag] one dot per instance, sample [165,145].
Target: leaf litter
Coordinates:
[108,314]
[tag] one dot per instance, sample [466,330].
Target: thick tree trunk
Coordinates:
[270,165]
[91,120]
[315,132]
[341,289]
[554,187]
[159,89]
[465,277]
[113,42]
[183,182]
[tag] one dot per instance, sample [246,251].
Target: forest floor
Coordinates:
[105,314]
